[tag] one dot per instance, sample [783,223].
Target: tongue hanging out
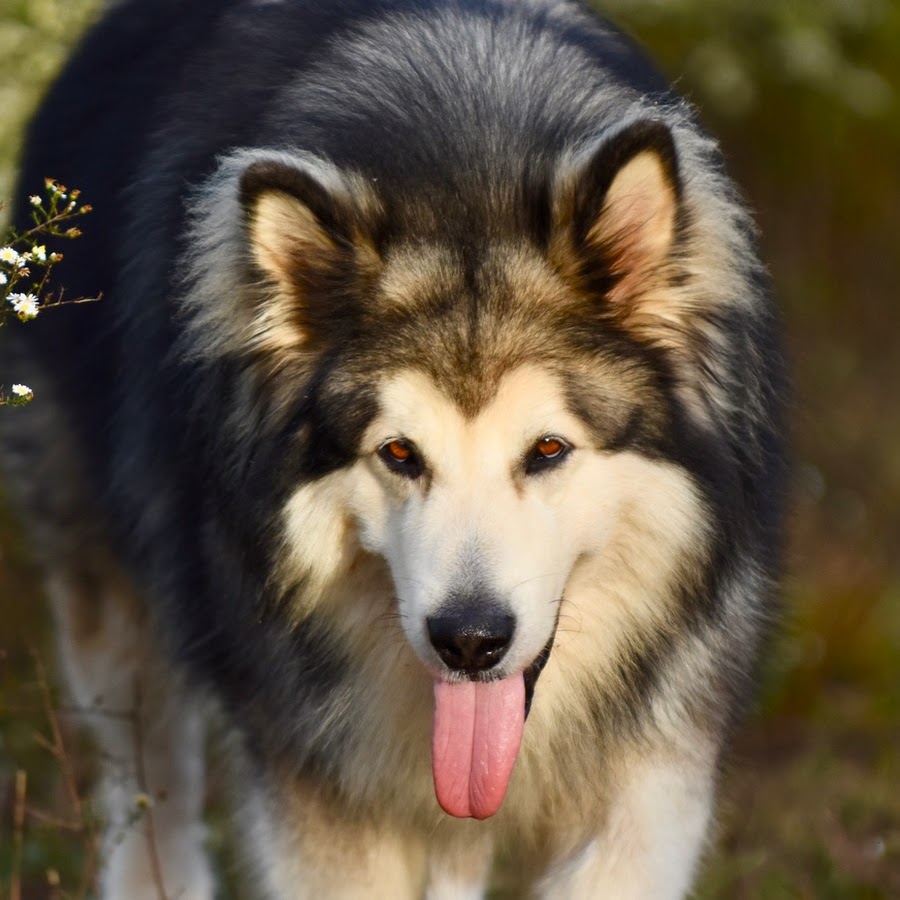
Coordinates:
[476,737]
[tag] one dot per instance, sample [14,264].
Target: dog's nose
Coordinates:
[471,640]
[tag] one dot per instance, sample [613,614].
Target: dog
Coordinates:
[429,433]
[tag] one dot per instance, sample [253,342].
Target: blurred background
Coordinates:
[805,97]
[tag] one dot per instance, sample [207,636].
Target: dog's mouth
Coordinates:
[477,731]
[533,672]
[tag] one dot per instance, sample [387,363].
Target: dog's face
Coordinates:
[478,391]
[478,478]
[480,518]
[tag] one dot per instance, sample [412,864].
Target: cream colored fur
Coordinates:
[606,535]
[565,532]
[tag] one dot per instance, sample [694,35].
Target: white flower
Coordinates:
[8,255]
[25,305]
[39,253]
[3,278]
[35,200]
[21,390]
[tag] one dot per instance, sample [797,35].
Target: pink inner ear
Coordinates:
[636,227]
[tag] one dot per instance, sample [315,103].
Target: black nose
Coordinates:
[471,640]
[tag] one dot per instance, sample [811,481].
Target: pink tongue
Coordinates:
[477,732]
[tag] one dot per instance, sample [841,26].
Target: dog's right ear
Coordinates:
[309,239]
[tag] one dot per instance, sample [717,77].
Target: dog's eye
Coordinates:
[402,457]
[549,451]
[549,447]
[399,451]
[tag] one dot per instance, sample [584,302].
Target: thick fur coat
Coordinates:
[435,384]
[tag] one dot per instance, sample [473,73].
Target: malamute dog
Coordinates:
[429,428]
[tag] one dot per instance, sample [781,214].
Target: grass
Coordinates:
[811,801]
[35,36]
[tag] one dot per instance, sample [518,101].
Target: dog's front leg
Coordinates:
[652,839]
[306,847]
[460,871]
[149,730]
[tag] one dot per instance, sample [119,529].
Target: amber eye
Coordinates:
[402,457]
[399,451]
[549,447]
[546,453]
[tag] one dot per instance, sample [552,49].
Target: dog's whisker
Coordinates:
[532,578]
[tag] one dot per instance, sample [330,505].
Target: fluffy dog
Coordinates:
[429,428]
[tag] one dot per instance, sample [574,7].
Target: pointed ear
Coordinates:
[293,222]
[624,207]
[307,239]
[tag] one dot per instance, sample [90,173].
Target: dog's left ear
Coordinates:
[309,237]
[619,211]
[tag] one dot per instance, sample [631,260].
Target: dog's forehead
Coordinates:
[414,270]
[526,398]
[469,316]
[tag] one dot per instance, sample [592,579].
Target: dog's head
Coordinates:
[487,404]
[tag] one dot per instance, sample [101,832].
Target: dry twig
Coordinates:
[15,881]
[81,821]
[149,827]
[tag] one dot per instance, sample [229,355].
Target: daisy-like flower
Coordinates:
[8,255]
[25,305]
[21,390]
[35,200]
[3,278]
[39,253]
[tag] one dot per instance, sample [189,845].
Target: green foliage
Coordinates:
[35,37]
[733,52]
